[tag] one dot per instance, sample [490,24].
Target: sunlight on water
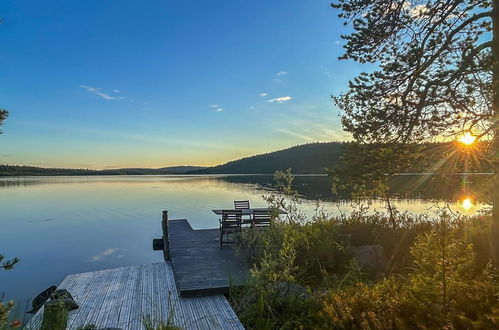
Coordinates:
[467,204]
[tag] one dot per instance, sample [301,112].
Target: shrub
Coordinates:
[304,275]
[447,288]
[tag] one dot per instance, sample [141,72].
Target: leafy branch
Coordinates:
[8,264]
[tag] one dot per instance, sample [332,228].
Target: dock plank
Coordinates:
[200,265]
[121,297]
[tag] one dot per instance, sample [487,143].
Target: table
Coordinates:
[250,211]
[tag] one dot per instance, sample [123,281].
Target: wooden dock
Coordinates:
[122,297]
[200,265]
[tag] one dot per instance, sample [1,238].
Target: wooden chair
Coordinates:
[242,205]
[261,219]
[230,223]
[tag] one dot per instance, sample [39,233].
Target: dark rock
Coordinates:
[39,300]
[372,258]
[63,295]
[286,289]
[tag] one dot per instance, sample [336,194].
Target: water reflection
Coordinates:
[311,187]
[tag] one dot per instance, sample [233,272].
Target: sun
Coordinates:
[467,138]
[467,204]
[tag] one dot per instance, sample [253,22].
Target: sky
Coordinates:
[117,83]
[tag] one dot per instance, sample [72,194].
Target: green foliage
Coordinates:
[396,237]
[3,115]
[304,274]
[435,69]
[271,310]
[6,308]
[446,285]
[365,169]
[362,306]
[437,77]
[150,322]
[446,289]
[370,171]
[8,264]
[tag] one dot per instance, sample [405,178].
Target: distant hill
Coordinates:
[14,170]
[182,169]
[312,158]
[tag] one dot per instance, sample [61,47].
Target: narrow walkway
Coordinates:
[122,297]
[201,266]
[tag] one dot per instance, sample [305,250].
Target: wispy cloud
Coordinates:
[263,94]
[295,134]
[98,92]
[107,253]
[280,99]
[281,73]
[216,107]
[328,73]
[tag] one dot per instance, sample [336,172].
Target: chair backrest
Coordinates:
[238,205]
[261,218]
[231,218]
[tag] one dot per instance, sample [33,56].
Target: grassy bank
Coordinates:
[420,271]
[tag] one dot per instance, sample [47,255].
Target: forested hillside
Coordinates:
[314,158]
[310,158]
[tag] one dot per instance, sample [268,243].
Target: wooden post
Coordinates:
[164,225]
[55,316]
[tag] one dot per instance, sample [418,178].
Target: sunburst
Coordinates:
[467,139]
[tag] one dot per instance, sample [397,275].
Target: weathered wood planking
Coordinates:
[200,265]
[121,297]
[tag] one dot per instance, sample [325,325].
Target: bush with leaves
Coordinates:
[446,288]
[6,308]
[304,276]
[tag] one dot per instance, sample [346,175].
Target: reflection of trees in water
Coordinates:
[19,183]
[437,187]
[16,182]
[426,187]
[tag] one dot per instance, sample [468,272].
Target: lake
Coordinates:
[63,225]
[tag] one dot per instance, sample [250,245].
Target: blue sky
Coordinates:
[115,83]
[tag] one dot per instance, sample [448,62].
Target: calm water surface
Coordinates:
[63,225]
